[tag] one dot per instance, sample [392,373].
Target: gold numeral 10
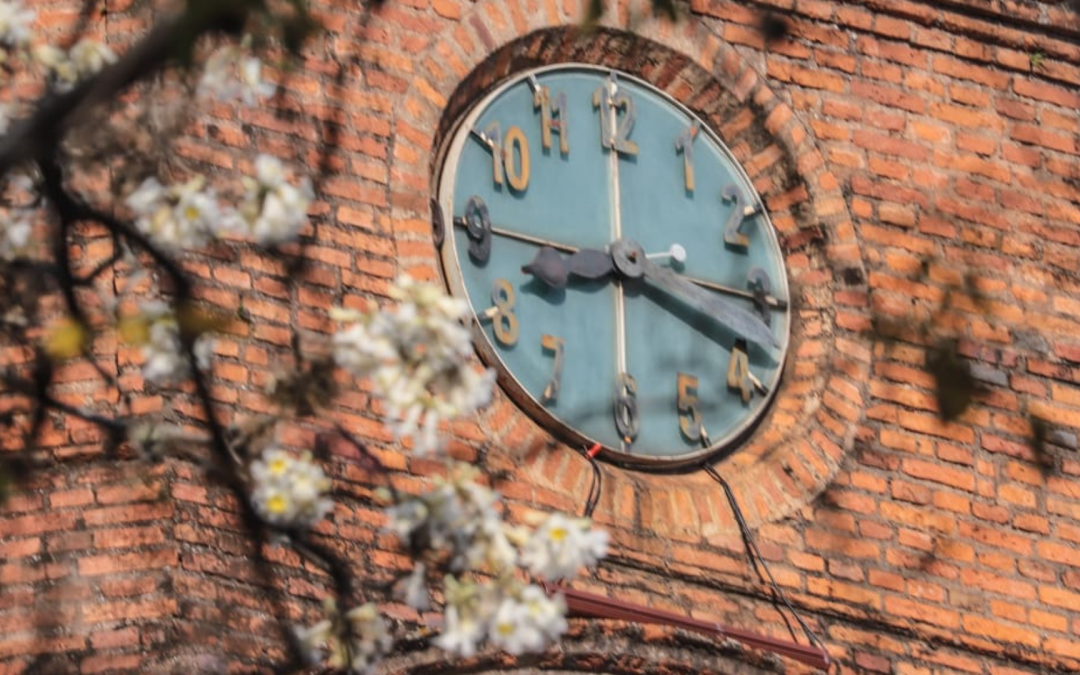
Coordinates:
[503,152]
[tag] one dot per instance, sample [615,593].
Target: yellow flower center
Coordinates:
[277,504]
[278,466]
[191,213]
[505,629]
[558,534]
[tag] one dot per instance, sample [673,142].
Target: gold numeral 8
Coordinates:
[505,322]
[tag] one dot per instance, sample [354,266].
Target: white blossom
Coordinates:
[273,211]
[186,215]
[89,56]
[15,231]
[289,490]
[57,64]
[6,111]
[414,589]
[230,75]
[370,637]
[418,358]
[460,635]
[355,641]
[15,23]
[561,546]
[163,350]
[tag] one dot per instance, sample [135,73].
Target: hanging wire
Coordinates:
[755,554]
[597,483]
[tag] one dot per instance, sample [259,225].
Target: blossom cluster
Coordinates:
[159,334]
[185,215]
[64,68]
[458,523]
[15,222]
[189,215]
[418,359]
[289,491]
[355,641]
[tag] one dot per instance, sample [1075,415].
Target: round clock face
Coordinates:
[626,280]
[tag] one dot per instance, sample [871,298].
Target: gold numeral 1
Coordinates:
[555,345]
[741,210]
[685,144]
[687,402]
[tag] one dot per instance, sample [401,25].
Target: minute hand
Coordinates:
[737,319]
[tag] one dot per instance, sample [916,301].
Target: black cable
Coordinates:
[595,486]
[755,555]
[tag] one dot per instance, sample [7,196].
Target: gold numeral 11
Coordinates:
[550,108]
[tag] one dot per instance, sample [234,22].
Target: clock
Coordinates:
[626,280]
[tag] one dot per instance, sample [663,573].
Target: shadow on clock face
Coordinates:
[557,296]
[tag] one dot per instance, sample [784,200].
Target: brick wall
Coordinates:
[920,162]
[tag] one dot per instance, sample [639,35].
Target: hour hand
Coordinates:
[631,261]
[550,267]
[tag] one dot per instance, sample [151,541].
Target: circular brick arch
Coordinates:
[797,449]
[602,648]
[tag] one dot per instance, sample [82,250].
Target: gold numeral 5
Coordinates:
[687,402]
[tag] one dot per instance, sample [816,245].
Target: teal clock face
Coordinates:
[626,280]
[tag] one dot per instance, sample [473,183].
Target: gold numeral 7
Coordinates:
[555,345]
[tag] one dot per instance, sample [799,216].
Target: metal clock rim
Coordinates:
[450,152]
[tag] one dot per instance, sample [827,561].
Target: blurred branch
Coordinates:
[168,42]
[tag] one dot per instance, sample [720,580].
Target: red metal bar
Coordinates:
[581,603]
